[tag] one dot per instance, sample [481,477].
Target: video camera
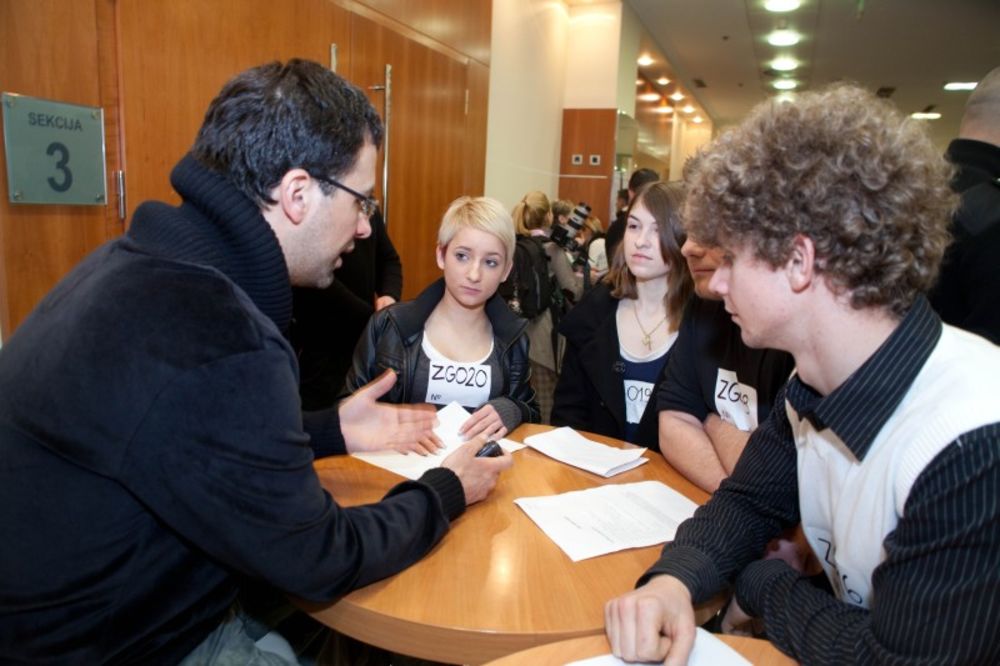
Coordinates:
[564,235]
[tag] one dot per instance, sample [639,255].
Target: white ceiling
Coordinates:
[914,46]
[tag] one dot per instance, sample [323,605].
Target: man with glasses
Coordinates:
[154,454]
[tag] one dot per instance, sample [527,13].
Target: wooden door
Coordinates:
[176,55]
[428,155]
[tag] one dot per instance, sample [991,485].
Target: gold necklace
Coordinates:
[647,336]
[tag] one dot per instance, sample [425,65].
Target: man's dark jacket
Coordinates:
[967,294]
[152,447]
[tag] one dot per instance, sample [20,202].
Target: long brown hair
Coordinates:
[664,202]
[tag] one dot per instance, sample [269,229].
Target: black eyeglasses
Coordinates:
[367,204]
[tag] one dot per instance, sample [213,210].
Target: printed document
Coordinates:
[606,519]
[568,446]
[413,465]
[708,651]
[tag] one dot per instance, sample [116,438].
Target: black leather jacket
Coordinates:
[391,340]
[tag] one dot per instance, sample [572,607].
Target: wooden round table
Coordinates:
[495,584]
[756,651]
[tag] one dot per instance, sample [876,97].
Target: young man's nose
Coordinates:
[364,229]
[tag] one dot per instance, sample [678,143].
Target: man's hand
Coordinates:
[369,425]
[478,475]
[652,623]
[484,421]
[736,621]
[383,302]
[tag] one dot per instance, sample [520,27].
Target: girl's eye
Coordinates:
[492,263]
[461,256]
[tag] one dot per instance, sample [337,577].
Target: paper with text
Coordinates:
[413,465]
[568,446]
[597,521]
[708,651]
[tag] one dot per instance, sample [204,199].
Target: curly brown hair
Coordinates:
[842,167]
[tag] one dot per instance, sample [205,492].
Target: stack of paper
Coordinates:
[568,446]
[413,465]
[605,519]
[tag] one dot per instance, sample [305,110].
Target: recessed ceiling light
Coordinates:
[639,82]
[697,119]
[783,38]
[651,96]
[644,61]
[785,84]
[778,6]
[663,80]
[960,85]
[784,63]
[688,109]
[663,108]
[926,116]
[677,96]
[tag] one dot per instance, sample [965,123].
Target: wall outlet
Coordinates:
[577,158]
[595,160]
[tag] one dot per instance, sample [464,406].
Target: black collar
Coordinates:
[857,410]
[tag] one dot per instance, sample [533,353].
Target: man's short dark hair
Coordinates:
[277,117]
[642,177]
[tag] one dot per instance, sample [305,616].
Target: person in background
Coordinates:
[832,211]
[541,272]
[716,390]
[458,340]
[619,335]
[596,248]
[966,293]
[325,322]
[616,229]
[155,454]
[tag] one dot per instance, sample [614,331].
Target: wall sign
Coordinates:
[55,152]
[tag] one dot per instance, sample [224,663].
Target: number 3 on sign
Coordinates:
[56,148]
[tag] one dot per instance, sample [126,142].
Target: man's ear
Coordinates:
[293,194]
[439,253]
[801,266]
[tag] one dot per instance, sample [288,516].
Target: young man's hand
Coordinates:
[652,623]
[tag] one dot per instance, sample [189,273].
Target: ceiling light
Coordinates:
[785,84]
[783,38]
[677,96]
[688,109]
[960,85]
[784,63]
[663,107]
[639,82]
[644,61]
[648,94]
[697,119]
[925,116]
[781,5]
[663,80]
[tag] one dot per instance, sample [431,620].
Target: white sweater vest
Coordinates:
[848,506]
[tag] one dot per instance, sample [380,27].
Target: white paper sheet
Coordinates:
[708,651]
[568,446]
[597,521]
[413,465]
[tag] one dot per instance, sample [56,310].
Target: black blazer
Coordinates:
[590,394]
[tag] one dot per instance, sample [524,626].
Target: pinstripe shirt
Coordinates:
[936,596]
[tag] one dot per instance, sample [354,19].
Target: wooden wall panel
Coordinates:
[177,54]
[426,135]
[463,25]
[588,132]
[48,48]
[478,84]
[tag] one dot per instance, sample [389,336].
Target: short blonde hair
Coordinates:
[482,213]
